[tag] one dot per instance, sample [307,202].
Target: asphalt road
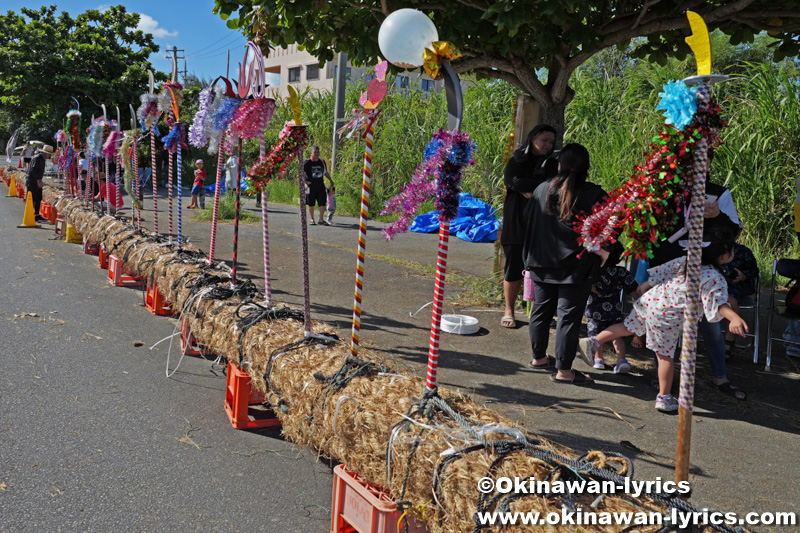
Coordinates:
[93,435]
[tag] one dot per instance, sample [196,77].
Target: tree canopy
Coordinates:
[535,45]
[98,57]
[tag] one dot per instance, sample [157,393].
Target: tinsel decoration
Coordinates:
[645,209]
[221,118]
[250,121]
[148,112]
[197,131]
[444,159]
[96,134]
[276,161]
[60,136]
[170,94]
[74,127]
[126,152]
[175,137]
[110,147]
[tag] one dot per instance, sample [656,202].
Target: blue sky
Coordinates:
[189,25]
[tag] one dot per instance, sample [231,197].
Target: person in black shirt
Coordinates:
[34,177]
[316,171]
[525,170]
[561,269]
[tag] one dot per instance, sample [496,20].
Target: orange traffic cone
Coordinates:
[20,163]
[12,188]
[29,218]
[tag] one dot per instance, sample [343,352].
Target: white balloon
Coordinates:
[404,35]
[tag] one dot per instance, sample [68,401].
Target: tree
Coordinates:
[96,57]
[535,45]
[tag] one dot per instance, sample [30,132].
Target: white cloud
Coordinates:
[149,25]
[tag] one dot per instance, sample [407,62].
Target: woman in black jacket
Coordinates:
[529,167]
[561,269]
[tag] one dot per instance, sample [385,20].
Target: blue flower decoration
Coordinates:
[679,103]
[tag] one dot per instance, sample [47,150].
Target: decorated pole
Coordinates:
[262,152]
[154,176]
[215,215]
[376,91]
[362,242]
[700,44]
[304,234]
[135,160]
[119,185]
[445,155]
[178,194]
[169,194]
[239,176]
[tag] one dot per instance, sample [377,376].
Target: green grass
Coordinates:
[226,211]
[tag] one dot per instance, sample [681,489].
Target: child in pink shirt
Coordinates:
[198,189]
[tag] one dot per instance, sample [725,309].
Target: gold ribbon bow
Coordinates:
[433,57]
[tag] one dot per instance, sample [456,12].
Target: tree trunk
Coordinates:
[553,114]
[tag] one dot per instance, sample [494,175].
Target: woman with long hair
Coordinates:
[561,269]
[530,165]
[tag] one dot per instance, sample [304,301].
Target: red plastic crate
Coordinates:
[156,303]
[102,257]
[52,214]
[90,248]
[44,210]
[119,275]
[359,506]
[245,404]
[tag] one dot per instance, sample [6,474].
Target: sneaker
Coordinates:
[666,404]
[599,364]
[587,348]
[622,367]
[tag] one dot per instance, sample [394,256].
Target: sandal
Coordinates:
[508,321]
[578,378]
[730,349]
[637,342]
[549,365]
[313,222]
[731,390]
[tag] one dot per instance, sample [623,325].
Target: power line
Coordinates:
[221,47]
[212,44]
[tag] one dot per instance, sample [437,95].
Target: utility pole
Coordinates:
[338,117]
[174,57]
[228,67]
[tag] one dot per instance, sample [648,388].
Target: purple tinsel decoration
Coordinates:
[445,157]
[197,136]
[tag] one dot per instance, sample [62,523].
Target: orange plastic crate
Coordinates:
[52,214]
[21,192]
[119,275]
[189,343]
[156,303]
[359,506]
[44,210]
[245,404]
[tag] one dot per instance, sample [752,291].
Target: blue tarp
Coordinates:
[475,221]
[210,188]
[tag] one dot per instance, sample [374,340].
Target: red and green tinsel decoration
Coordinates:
[276,161]
[644,210]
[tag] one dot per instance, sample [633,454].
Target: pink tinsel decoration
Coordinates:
[110,147]
[250,121]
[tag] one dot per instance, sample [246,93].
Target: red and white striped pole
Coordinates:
[119,185]
[108,187]
[438,303]
[213,244]
[154,176]
[169,193]
[362,242]
[136,183]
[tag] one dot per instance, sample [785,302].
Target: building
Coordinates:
[302,70]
